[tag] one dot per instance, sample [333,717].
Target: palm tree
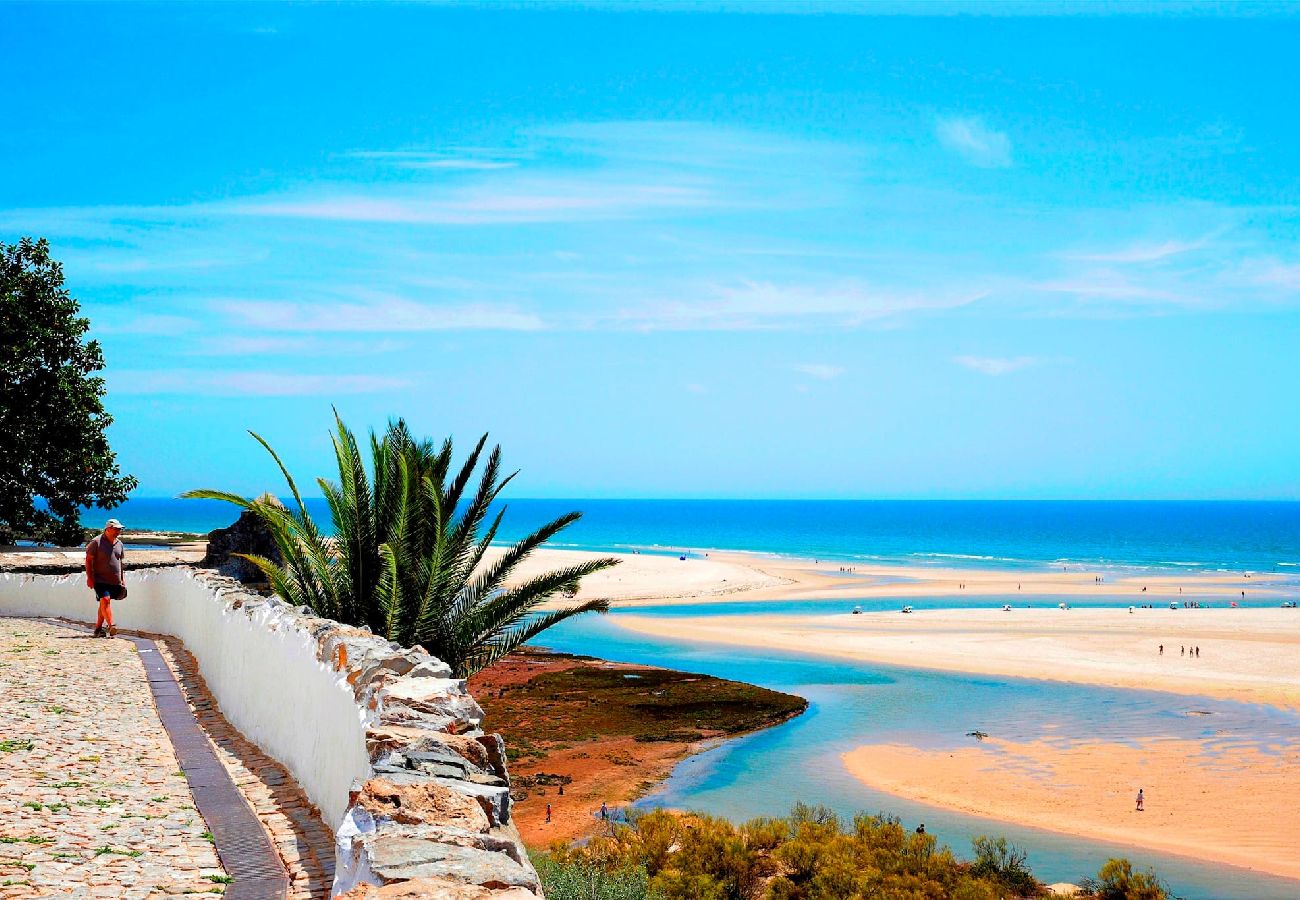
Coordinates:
[409,555]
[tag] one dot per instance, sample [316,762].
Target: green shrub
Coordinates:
[1003,863]
[563,880]
[1118,881]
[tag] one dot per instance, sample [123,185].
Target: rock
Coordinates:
[403,854]
[248,534]
[425,801]
[495,745]
[434,889]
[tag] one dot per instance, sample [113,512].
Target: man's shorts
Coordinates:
[115,591]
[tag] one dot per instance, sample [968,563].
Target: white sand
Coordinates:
[1246,654]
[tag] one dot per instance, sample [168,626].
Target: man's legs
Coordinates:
[105,616]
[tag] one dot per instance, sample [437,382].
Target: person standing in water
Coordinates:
[104,575]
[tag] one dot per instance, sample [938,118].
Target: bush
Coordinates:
[808,856]
[579,881]
[1004,863]
[1118,881]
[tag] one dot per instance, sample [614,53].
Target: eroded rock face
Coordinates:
[246,535]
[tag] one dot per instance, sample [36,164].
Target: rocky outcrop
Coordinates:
[432,816]
[248,534]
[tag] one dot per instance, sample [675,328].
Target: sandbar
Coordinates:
[1235,806]
[1246,654]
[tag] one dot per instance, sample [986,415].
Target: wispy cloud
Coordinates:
[997,365]
[427,159]
[768,305]
[376,313]
[524,201]
[1272,273]
[113,322]
[819,370]
[240,384]
[1149,251]
[975,142]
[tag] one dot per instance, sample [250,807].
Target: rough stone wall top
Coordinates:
[432,817]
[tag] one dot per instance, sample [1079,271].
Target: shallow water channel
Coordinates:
[856,703]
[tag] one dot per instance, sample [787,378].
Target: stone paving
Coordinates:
[93,802]
[305,843]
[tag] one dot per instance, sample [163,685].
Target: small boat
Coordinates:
[907,609]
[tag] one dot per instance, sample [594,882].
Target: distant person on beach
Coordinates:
[1162,649]
[1139,809]
[104,575]
[548,813]
[1198,652]
[604,812]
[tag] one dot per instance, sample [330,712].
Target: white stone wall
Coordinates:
[379,737]
[259,661]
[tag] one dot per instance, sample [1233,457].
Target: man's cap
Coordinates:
[113,523]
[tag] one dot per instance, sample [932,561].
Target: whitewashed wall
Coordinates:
[258,658]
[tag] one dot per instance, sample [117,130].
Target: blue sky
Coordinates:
[665,253]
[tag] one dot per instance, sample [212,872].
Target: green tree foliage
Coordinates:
[1118,881]
[409,555]
[52,420]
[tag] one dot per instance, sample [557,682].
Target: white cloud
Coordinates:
[1152,251]
[819,370]
[108,321]
[423,159]
[751,305]
[376,313]
[996,365]
[524,201]
[1272,273]
[974,142]
[241,384]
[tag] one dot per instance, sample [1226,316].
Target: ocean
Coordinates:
[1174,536]
[853,703]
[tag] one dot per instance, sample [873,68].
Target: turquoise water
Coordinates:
[1168,536]
[852,704]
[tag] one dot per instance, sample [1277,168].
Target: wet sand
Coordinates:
[643,579]
[1233,805]
[1251,655]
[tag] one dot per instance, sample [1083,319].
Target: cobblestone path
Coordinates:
[92,803]
[305,843]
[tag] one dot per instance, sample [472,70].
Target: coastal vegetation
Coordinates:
[809,855]
[409,554]
[53,446]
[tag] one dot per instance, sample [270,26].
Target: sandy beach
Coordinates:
[1252,655]
[644,578]
[1234,806]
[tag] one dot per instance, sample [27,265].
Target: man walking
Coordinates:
[104,574]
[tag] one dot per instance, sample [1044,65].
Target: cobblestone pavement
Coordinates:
[93,801]
[305,843]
